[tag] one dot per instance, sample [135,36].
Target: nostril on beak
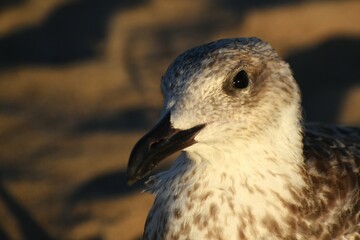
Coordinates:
[156,143]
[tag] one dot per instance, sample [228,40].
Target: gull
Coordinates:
[249,167]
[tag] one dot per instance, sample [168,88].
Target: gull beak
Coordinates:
[162,141]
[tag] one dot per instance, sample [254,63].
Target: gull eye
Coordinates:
[240,80]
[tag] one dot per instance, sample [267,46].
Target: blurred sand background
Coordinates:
[79,84]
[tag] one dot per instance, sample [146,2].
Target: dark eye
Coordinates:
[240,80]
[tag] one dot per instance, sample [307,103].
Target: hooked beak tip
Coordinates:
[162,141]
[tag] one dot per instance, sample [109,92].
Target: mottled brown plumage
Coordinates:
[332,157]
[250,169]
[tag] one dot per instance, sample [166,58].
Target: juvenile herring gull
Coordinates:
[249,169]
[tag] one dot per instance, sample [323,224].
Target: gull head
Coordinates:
[231,90]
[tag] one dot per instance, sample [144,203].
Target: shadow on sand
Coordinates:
[109,185]
[3,234]
[4,4]
[27,225]
[127,120]
[325,73]
[71,33]
[74,31]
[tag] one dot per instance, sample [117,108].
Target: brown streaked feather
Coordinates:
[332,160]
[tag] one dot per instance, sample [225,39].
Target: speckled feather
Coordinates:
[256,172]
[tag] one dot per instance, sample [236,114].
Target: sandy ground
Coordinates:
[79,84]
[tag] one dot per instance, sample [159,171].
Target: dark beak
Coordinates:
[162,141]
